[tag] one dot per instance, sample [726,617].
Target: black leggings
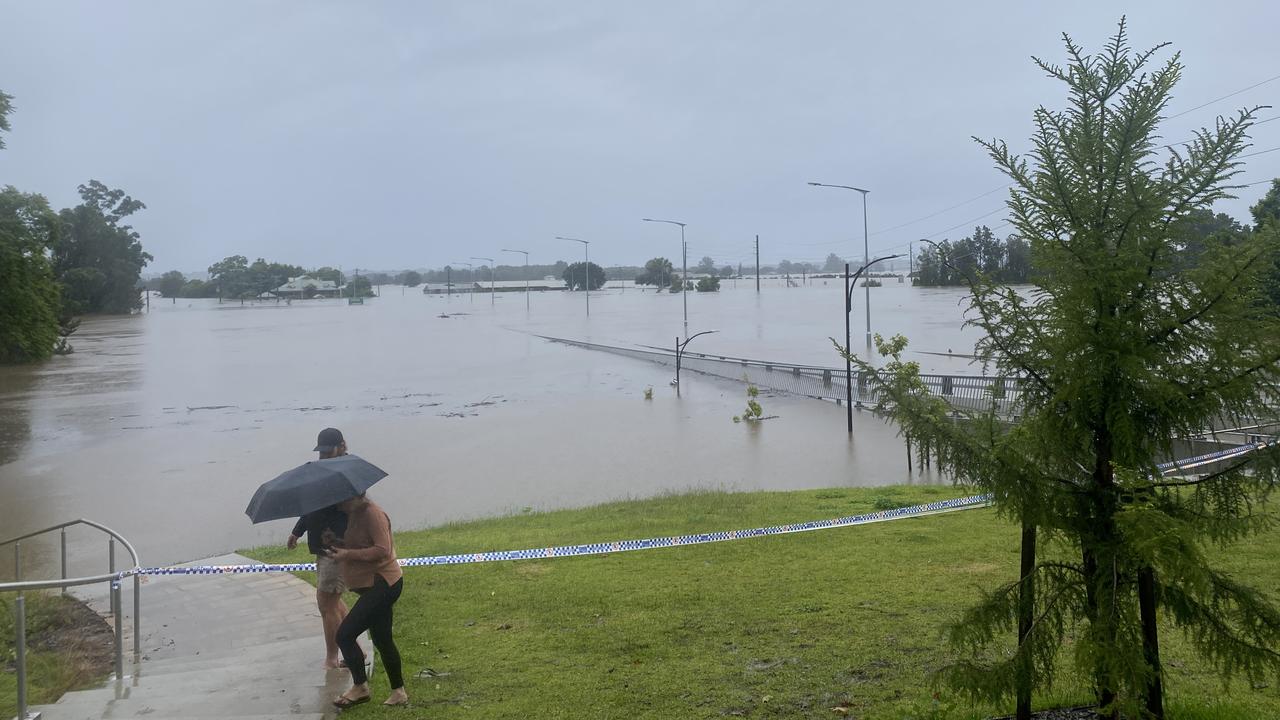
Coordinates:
[372,612]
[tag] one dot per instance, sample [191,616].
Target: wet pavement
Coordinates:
[215,646]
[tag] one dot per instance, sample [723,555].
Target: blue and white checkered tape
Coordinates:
[965,503]
[605,548]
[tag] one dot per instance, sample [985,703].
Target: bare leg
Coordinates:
[332,612]
[357,692]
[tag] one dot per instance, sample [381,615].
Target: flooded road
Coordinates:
[161,425]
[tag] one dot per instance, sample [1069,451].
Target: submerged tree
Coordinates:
[584,275]
[1121,347]
[97,258]
[30,300]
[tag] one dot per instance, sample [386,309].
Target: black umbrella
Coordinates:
[310,487]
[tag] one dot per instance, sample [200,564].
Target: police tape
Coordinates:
[606,548]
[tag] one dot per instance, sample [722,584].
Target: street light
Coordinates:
[586,269]
[680,353]
[491,291]
[471,269]
[866,255]
[526,275]
[849,284]
[684,283]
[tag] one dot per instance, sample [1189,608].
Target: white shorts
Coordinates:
[329,576]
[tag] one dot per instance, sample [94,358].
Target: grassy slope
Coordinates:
[50,673]
[792,626]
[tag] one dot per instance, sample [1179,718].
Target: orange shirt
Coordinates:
[372,552]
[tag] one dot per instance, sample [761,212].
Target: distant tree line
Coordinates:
[56,266]
[235,278]
[1009,261]
[954,263]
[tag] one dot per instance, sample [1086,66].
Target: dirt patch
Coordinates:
[1074,713]
[80,637]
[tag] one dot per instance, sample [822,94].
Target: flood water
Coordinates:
[162,424]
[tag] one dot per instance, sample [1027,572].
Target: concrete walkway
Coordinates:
[247,646]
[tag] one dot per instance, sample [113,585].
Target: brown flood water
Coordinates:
[161,425]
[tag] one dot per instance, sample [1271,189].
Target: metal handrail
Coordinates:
[113,577]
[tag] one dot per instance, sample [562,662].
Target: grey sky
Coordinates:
[389,135]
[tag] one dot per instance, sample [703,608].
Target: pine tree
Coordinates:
[1121,348]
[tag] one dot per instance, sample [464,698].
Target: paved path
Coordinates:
[246,646]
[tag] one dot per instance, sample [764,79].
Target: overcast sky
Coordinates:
[395,134]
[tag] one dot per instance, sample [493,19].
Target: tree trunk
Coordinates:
[1026,614]
[1151,641]
[1104,689]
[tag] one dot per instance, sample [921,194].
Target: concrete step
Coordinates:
[265,698]
[205,682]
[57,714]
[305,650]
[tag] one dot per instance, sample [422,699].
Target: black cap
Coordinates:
[329,440]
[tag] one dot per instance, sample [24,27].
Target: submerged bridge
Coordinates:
[975,392]
[970,392]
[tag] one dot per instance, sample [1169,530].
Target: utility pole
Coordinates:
[757,263]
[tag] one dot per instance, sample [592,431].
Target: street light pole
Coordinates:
[492,293]
[586,269]
[471,268]
[680,346]
[526,275]
[684,282]
[866,254]
[849,284]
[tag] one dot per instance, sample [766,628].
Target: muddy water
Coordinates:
[161,425]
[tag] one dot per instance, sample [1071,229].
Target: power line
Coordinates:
[1224,97]
[953,207]
[1260,152]
[966,222]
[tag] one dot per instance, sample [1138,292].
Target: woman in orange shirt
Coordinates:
[369,567]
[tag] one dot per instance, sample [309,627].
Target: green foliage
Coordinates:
[53,668]
[678,284]
[231,276]
[359,287]
[657,272]
[711,631]
[576,277]
[171,284]
[410,278]
[710,283]
[235,278]
[1122,346]
[706,265]
[648,393]
[30,301]
[754,410]
[331,274]
[1267,210]
[948,263]
[96,258]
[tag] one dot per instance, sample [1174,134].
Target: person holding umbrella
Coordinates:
[323,528]
[367,556]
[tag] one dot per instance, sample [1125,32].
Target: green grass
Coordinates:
[50,672]
[779,627]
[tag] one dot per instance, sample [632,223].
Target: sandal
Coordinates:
[343,702]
